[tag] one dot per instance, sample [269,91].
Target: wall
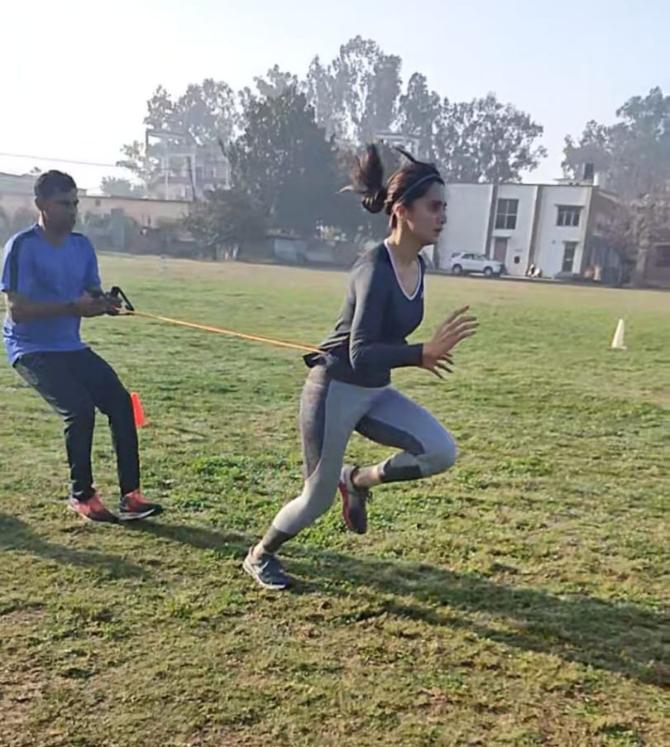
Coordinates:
[292,251]
[148,213]
[18,183]
[519,239]
[11,203]
[469,216]
[468,209]
[16,212]
[145,212]
[657,268]
[551,237]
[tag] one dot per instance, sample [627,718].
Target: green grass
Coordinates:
[517,600]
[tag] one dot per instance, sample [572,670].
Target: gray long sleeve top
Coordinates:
[369,337]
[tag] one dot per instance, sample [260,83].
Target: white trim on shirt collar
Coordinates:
[395,272]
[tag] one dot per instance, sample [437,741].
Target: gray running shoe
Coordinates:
[267,571]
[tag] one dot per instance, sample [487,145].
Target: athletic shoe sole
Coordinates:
[248,568]
[111,520]
[344,492]
[137,515]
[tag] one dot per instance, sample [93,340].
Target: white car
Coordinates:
[462,263]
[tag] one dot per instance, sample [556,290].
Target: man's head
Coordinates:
[56,199]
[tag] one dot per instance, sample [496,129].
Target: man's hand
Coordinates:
[113,304]
[88,306]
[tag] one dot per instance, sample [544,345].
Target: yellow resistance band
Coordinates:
[229,332]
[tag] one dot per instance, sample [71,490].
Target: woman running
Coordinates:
[348,387]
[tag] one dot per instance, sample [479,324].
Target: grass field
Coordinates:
[520,599]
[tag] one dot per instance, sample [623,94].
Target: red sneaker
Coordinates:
[354,501]
[93,509]
[135,506]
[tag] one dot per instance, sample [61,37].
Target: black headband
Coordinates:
[434,177]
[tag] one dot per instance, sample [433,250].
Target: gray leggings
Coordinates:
[330,411]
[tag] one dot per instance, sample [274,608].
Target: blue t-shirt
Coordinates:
[40,271]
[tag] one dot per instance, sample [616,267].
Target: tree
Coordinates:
[594,147]
[138,161]
[284,162]
[225,219]
[319,90]
[289,142]
[115,187]
[273,84]
[633,154]
[205,112]
[276,82]
[381,100]
[160,110]
[486,140]
[650,225]
[355,96]
[203,115]
[419,111]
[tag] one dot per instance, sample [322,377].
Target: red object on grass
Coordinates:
[138,410]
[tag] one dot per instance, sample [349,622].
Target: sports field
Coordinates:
[520,599]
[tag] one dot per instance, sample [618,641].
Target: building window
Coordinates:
[568,215]
[569,250]
[97,203]
[506,214]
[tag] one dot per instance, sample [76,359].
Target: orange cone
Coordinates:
[138,410]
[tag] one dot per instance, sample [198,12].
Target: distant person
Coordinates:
[50,278]
[534,272]
[348,388]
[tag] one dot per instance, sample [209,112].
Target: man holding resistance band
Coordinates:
[50,278]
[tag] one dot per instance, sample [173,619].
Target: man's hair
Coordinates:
[51,182]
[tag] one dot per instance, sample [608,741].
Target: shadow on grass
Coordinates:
[17,535]
[199,537]
[615,636]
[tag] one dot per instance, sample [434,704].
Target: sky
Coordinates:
[75,76]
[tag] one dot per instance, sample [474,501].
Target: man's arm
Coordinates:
[22,309]
[16,283]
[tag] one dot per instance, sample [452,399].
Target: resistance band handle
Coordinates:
[116,292]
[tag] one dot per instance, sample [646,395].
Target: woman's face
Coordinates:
[426,216]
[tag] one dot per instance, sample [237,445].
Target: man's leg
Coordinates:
[113,400]
[49,374]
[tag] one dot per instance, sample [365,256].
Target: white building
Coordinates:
[556,227]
